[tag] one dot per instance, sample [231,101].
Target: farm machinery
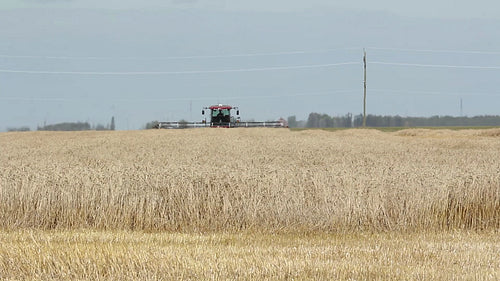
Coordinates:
[220,117]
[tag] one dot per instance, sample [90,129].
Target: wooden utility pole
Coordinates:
[461,108]
[364,86]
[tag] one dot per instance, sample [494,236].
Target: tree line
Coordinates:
[78,126]
[69,126]
[317,120]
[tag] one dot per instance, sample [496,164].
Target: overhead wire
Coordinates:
[436,51]
[434,93]
[435,65]
[296,52]
[132,73]
[273,68]
[180,72]
[299,94]
[281,53]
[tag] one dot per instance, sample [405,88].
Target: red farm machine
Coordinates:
[220,117]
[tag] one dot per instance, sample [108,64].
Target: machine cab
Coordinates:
[220,115]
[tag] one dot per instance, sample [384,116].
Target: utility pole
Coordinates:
[190,110]
[364,86]
[461,108]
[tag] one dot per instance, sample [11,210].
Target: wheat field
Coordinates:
[63,191]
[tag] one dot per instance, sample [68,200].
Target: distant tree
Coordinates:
[68,126]
[313,120]
[326,121]
[150,125]
[342,121]
[348,120]
[19,129]
[398,121]
[301,123]
[292,121]
[112,126]
[100,127]
[317,120]
[433,121]
[358,120]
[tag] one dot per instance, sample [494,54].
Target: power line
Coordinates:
[436,65]
[178,72]
[299,94]
[282,53]
[132,73]
[436,51]
[435,93]
[303,94]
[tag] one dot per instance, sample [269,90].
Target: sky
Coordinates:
[139,61]
[423,8]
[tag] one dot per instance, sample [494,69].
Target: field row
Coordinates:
[123,255]
[251,179]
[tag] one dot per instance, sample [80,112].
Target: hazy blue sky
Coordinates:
[427,8]
[88,60]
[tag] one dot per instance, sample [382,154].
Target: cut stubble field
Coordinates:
[250,204]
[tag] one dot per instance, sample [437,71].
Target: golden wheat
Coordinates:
[124,255]
[250,204]
[264,179]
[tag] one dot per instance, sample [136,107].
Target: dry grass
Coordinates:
[263,179]
[89,255]
[250,204]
